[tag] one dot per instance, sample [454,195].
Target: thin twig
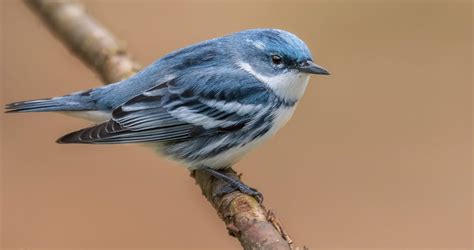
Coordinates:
[246,219]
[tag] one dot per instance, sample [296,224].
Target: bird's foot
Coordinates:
[233,185]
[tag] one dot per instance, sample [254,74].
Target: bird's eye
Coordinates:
[276,59]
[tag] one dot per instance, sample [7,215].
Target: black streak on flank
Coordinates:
[232,128]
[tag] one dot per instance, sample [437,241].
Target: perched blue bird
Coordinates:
[205,105]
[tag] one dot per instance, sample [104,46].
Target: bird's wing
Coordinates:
[170,112]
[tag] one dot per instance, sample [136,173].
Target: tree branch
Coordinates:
[88,39]
[254,225]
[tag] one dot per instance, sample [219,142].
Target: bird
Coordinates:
[205,105]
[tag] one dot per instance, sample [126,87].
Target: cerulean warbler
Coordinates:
[205,105]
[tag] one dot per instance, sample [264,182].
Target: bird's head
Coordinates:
[276,57]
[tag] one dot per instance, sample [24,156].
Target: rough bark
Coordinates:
[254,225]
[246,219]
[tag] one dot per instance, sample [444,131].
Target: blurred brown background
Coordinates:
[377,155]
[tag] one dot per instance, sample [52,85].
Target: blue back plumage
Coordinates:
[210,66]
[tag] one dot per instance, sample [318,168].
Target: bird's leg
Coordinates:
[232,184]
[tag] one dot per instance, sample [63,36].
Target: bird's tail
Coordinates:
[74,102]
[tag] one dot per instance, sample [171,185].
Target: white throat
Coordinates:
[289,86]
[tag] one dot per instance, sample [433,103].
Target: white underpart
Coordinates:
[231,156]
[94,116]
[289,86]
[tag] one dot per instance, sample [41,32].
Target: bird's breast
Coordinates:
[246,142]
[281,116]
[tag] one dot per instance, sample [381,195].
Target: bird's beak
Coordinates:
[310,67]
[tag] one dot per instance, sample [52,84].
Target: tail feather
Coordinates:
[75,102]
[40,105]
